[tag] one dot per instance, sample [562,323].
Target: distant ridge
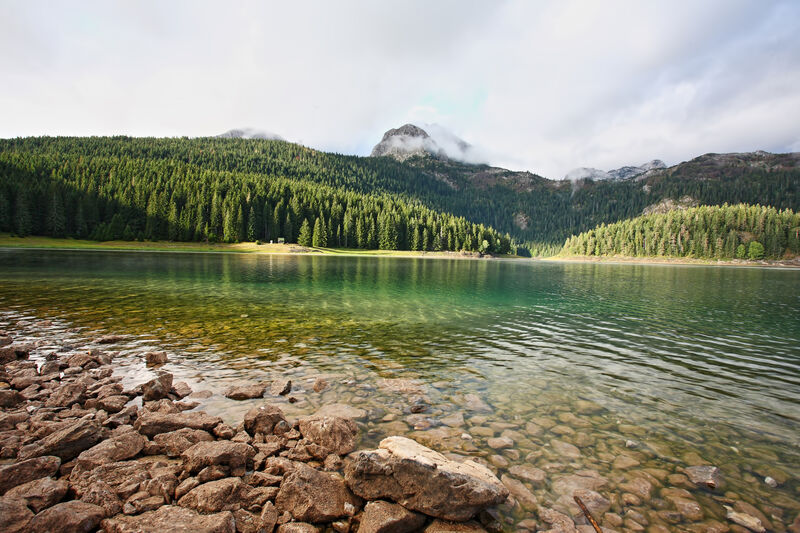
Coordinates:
[250,133]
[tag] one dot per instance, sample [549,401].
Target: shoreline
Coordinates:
[676,261]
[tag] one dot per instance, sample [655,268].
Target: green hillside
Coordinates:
[707,232]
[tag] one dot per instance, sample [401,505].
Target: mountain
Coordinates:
[250,133]
[622,173]
[410,140]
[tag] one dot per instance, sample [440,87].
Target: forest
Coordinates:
[98,191]
[707,232]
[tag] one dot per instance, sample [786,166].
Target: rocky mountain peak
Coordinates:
[410,140]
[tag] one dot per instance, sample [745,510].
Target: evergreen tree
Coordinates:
[251,225]
[320,239]
[305,237]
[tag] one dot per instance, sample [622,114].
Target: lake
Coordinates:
[616,372]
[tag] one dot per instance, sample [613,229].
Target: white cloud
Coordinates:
[544,86]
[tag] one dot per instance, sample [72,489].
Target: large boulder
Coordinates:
[40,493]
[67,394]
[157,388]
[124,478]
[66,443]
[337,435]
[171,518]
[68,517]
[175,443]
[385,517]
[14,515]
[25,471]
[227,494]
[314,496]
[234,455]
[150,424]
[262,419]
[121,447]
[423,480]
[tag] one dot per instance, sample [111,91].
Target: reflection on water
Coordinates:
[685,364]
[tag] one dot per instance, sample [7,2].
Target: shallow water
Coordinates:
[684,364]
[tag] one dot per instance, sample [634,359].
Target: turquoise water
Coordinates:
[687,362]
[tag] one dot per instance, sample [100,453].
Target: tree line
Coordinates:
[708,232]
[107,197]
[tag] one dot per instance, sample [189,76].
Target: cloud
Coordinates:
[543,86]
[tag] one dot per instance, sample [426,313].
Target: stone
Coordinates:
[41,493]
[246,392]
[174,443]
[454,420]
[280,387]
[532,475]
[423,480]
[623,462]
[164,405]
[100,493]
[171,518]
[341,410]
[234,455]
[639,487]
[559,522]
[588,480]
[151,424]
[157,388]
[385,517]
[227,494]
[594,501]
[14,515]
[565,449]
[320,385]
[123,477]
[520,492]
[10,398]
[21,472]
[66,443]
[155,358]
[499,443]
[123,446]
[224,431]
[704,476]
[112,404]
[334,434]
[314,496]
[109,339]
[141,502]
[444,526]
[181,389]
[752,510]
[745,520]
[263,419]
[66,395]
[688,508]
[68,517]
[297,527]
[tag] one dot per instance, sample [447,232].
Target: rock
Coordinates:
[112,404]
[589,480]
[171,518]
[224,431]
[528,473]
[499,443]
[474,403]
[246,392]
[234,455]
[341,410]
[559,522]
[594,501]
[443,526]
[688,508]
[109,339]
[423,480]
[771,482]
[151,424]
[384,517]
[14,515]
[66,443]
[181,389]
[157,388]
[66,395]
[118,448]
[623,462]
[745,520]
[314,496]
[100,493]
[10,398]
[262,419]
[704,476]
[334,434]
[297,527]
[319,385]
[40,493]
[164,405]
[520,492]
[281,387]
[269,517]
[176,442]
[565,449]
[747,508]
[155,358]
[141,502]
[22,472]
[454,420]
[68,517]
[227,494]
[123,477]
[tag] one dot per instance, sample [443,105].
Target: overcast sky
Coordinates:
[540,86]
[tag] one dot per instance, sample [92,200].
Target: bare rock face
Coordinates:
[246,392]
[171,518]
[314,496]
[335,434]
[118,448]
[40,493]
[263,419]
[25,471]
[704,476]
[384,517]
[69,517]
[66,443]
[234,455]
[157,388]
[227,494]
[151,424]
[14,515]
[175,443]
[421,479]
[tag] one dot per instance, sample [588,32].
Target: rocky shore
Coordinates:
[81,452]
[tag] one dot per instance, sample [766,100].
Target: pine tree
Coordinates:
[251,224]
[320,239]
[305,238]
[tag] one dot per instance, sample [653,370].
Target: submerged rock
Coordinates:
[246,392]
[423,480]
[705,476]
